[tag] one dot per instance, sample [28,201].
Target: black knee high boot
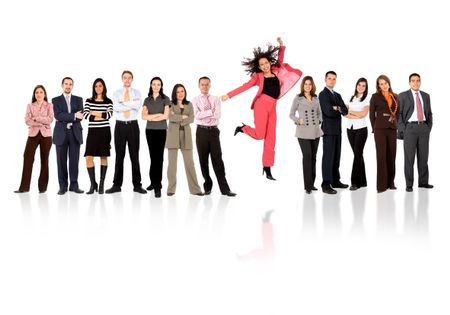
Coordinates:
[94,186]
[103,169]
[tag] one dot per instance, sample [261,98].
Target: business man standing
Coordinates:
[68,136]
[333,108]
[126,103]
[415,120]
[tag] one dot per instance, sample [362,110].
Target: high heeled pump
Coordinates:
[266,169]
[239,129]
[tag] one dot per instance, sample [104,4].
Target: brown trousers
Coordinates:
[386,147]
[28,160]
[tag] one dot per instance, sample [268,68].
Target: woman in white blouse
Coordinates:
[358,109]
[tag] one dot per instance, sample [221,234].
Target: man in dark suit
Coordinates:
[68,136]
[333,108]
[415,120]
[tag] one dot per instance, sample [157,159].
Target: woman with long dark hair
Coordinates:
[98,110]
[179,137]
[274,79]
[38,117]
[358,108]
[383,118]
[156,111]
[307,115]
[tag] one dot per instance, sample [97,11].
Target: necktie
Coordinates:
[68,103]
[207,103]
[69,125]
[126,98]
[419,108]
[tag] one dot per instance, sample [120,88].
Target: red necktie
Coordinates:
[419,108]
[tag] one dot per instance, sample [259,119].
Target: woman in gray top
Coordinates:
[307,116]
[156,111]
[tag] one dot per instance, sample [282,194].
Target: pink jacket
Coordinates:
[287,75]
[43,119]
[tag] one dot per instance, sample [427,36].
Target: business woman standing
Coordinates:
[383,118]
[306,114]
[38,117]
[358,108]
[156,112]
[98,110]
[179,137]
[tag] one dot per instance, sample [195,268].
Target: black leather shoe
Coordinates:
[62,192]
[207,192]
[157,193]
[139,190]
[329,190]
[392,187]
[229,194]
[426,186]
[150,187]
[20,191]
[354,187]
[314,188]
[199,194]
[113,190]
[170,194]
[308,191]
[409,188]
[339,185]
[76,190]
[381,191]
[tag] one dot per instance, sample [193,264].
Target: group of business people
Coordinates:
[406,116]
[157,109]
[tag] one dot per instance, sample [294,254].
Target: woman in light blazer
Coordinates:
[306,114]
[38,117]
[179,136]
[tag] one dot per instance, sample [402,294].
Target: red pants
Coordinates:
[265,116]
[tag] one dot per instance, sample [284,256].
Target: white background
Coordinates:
[354,253]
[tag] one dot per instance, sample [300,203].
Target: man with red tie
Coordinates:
[415,121]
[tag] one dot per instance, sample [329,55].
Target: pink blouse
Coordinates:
[39,119]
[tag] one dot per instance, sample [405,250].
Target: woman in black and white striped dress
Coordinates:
[98,110]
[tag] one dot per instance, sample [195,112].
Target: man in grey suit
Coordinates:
[415,121]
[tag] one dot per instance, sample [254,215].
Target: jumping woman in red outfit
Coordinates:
[274,79]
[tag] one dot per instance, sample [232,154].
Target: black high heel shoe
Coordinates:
[239,129]
[266,169]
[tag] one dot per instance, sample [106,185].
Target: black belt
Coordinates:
[417,122]
[126,122]
[207,127]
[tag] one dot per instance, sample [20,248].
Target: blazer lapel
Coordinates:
[410,108]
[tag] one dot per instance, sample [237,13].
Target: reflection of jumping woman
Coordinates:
[274,79]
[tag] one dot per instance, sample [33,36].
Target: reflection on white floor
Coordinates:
[134,254]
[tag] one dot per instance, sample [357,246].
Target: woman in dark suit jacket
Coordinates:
[383,118]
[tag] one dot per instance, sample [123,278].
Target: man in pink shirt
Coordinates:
[207,114]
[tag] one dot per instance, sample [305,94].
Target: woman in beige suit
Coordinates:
[179,137]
